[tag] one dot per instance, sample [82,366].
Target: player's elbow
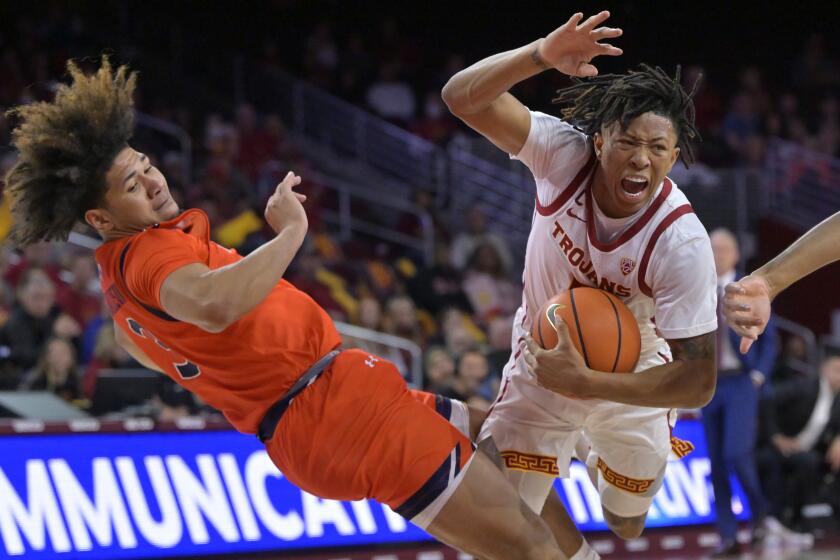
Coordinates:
[215,317]
[706,385]
[451,96]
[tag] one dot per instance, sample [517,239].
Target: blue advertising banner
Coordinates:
[147,495]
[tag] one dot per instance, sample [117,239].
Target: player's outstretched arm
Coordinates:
[747,302]
[478,94]
[214,299]
[687,382]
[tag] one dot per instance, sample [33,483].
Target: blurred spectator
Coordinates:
[499,338]
[801,440]
[390,97]
[786,121]
[730,419]
[355,69]
[466,242]
[256,143]
[90,334]
[223,184]
[488,288]
[458,332]
[435,124]
[742,128]
[439,370]
[56,371]
[34,320]
[38,255]
[792,361]
[439,286]
[321,55]
[708,104]
[376,275]
[751,82]
[326,288]
[107,354]
[401,320]
[471,373]
[80,299]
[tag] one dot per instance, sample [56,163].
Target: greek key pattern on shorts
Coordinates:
[681,447]
[533,463]
[632,485]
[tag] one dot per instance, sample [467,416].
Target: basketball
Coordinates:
[601,327]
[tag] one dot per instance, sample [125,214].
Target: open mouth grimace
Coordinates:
[633,187]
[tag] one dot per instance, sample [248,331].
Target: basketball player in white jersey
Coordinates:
[606,216]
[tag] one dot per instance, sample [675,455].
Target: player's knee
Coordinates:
[625,527]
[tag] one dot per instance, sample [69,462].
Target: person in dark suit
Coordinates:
[800,435]
[730,419]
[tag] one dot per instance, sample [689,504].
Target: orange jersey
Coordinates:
[240,371]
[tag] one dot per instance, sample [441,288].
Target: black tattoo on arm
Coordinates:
[537,59]
[695,348]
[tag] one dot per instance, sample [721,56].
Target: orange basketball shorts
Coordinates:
[357,432]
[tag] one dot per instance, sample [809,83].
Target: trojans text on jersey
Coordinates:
[575,256]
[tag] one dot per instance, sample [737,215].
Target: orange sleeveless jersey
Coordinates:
[241,371]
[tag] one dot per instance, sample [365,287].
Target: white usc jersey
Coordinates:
[660,264]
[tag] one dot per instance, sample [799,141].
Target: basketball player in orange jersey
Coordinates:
[746,302]
[606,216]
[340,425]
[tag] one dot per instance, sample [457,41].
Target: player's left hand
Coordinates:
[746,305]
[571,47]
[561,369]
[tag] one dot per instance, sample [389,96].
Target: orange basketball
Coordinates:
[601,327]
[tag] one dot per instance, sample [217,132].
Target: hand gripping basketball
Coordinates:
[560,369]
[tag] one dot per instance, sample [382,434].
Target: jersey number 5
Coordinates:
[185,368]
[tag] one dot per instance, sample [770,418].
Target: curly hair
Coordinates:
[65,149]
[603,100]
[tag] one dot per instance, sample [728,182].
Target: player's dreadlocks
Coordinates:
[65,149]
[604,100]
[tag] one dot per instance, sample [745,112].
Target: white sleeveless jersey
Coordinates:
[661,265]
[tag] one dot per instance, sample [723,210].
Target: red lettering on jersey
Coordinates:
[622,291]
[585,266]
[566,244]
[557,229]
[607,285]
[576,256]
[593,277]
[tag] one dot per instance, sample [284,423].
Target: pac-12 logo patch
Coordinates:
[627,265]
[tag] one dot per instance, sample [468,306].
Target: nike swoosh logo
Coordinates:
[575,216]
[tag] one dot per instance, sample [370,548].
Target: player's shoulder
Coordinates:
[545,125]
[682,223]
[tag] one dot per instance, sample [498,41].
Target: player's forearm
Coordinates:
[679,384]
[818,247]
[240,287]
[476,87]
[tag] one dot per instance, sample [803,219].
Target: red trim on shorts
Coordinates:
[634,229]
[568,191]
[519,343]
[657,233]
[500,397]
[664,357]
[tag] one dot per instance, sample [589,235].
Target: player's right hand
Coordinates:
[284,207]
[571,47]
[746,306]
